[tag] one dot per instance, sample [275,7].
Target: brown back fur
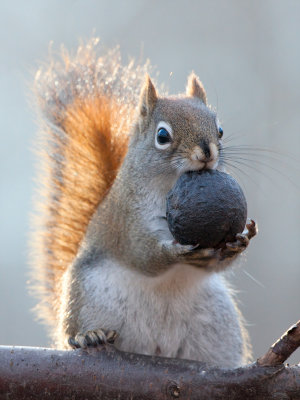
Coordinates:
[87,106]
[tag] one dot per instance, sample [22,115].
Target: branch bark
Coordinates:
[106,373]
[280,351]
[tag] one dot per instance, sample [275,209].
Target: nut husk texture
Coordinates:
[206,208]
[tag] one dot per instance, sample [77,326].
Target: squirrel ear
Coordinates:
[148,97]
[195,88]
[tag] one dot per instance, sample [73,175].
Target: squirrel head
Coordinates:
[180,133]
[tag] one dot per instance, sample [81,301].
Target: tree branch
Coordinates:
[106,373]
[281,350]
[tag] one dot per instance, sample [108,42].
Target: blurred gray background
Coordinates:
[247,54]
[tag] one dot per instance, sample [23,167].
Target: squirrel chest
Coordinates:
[174,315]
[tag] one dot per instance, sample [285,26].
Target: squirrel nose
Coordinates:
[205,153]
[206,156]
[205,149]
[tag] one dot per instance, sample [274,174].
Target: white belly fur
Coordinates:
[185,313]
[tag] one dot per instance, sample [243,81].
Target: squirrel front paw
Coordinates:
[175,249]
[211,257]
[190,254]
[242,241]
[92,339]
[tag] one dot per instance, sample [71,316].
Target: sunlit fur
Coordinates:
[81,144]
[105,257]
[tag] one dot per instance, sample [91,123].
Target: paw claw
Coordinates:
[92,339]
[111,336]
[242,240]
[234,246]
[101,336]
[251,229]
[72,342]
[81,341]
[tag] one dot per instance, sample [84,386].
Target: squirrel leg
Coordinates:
[73,329]
[92,339]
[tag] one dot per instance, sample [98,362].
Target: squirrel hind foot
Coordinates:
[92,339]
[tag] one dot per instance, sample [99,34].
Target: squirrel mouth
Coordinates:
[203,165]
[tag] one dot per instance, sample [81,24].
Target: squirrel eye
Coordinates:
[163,136]
[220,132]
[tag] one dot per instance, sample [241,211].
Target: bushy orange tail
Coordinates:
[86,104]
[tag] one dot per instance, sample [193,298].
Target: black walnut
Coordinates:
[207,208]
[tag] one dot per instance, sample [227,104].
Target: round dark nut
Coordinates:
[206,208]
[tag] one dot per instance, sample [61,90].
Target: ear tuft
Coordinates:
[148,97]
[195,88]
